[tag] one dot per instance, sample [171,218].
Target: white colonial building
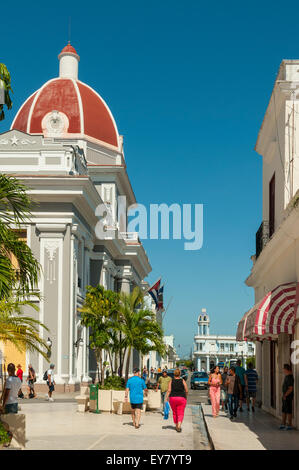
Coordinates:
[209,350]
[65,146]
[273,321]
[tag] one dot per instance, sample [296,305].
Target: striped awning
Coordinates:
[273,315]
[242,325]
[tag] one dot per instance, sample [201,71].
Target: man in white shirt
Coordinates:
[11,390]
[51,382]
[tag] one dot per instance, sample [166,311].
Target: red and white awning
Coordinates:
[273,315]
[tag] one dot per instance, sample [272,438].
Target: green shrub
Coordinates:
[114,382]
[4,435]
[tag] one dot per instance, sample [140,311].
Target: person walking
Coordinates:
[287,398]
[51,382]
[177,395]
[11,391]
[163,383]
[31,379]
[144,373]
[223,391]
[136,385]
[215,382]
[251,379]
[19,374]
[240,372]
[234,392]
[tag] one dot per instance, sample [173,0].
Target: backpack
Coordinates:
[45,376]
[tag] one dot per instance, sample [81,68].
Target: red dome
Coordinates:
[69,49]
[86,111]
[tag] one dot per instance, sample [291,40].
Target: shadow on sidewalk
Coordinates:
[264,427]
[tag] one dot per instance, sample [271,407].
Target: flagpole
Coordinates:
[167,308]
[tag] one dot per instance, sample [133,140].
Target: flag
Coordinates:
[154,292]
[160,298]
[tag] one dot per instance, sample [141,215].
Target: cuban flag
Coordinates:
[160,298]
[154,292]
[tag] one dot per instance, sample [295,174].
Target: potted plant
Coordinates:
[5,436]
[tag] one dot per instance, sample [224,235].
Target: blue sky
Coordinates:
[188,84]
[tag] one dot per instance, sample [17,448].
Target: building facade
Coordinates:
[171,356]
[210,350]
[65,146]
[273,321]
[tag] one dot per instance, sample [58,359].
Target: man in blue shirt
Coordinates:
[251,379]
[136,385]
[240,372]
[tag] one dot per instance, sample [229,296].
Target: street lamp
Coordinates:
[49,344]
[78,342]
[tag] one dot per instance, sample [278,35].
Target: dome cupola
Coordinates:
[68,108]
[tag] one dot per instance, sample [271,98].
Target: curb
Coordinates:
[202,440]
[207,429]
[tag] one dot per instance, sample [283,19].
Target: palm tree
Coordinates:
[19,329]
[6,87]
[18,267]
[139,326]
[100,306]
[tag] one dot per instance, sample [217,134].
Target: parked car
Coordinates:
[199,380]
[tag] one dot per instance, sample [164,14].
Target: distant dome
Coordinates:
[81,111]
[203,318]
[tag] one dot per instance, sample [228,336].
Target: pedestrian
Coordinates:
[240,372]
[287,398]
[223,392]
[152,372]
[144,374]
[51,382]
[135,385]
[234,392]
[163,383]
[159,370]
[11,390]
[20,375]
[177,395]
[10,394]
[215,382]
[31,379]
[251,379]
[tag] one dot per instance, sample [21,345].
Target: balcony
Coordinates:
[261,237]
[130,237]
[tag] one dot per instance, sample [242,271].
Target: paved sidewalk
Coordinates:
[249,431]
[59,426]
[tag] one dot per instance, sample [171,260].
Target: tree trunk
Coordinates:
[101,367]
[115,364]
[111,361]
[120,357]
[121,365]
[128,365]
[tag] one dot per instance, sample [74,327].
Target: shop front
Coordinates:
[271,323]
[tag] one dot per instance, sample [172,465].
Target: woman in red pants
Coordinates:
[215,382]
[177,393]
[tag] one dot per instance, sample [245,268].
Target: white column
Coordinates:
[208,364]
[58,377]
[73,290]
[85,377]
[198,363]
